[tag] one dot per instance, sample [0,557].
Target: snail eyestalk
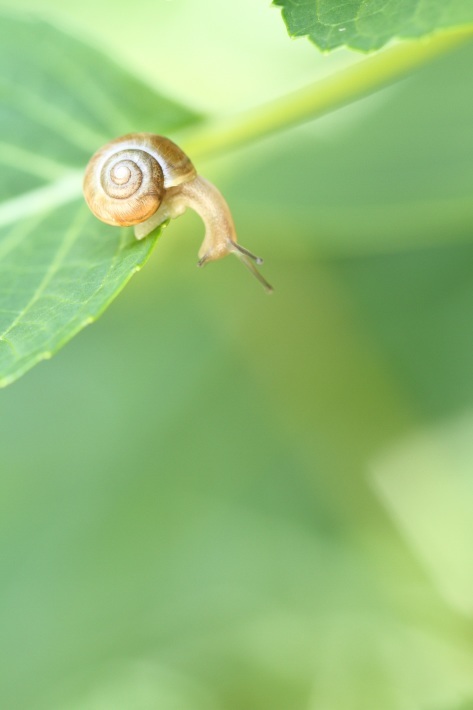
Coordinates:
[256,259]
[249,261]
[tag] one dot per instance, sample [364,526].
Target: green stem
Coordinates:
[322,97]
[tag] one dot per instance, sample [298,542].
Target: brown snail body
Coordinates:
[142,180]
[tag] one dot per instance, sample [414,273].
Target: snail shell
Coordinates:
[126,180]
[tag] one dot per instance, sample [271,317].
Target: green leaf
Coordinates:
[359,24]
[59,266]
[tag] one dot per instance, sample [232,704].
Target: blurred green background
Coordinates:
[218,500]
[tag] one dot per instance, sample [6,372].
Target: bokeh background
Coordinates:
[217,500]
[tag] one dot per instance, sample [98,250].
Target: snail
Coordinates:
[143,180]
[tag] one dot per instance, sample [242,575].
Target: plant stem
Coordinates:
[322,97]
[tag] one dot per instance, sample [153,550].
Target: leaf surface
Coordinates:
[59,266]
[368,24]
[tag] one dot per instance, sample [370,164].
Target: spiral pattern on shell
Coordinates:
[125,181]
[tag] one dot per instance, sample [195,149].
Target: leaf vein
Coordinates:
[65,246]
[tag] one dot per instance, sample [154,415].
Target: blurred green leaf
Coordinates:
[60,267]
[369,25]
[426,484]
